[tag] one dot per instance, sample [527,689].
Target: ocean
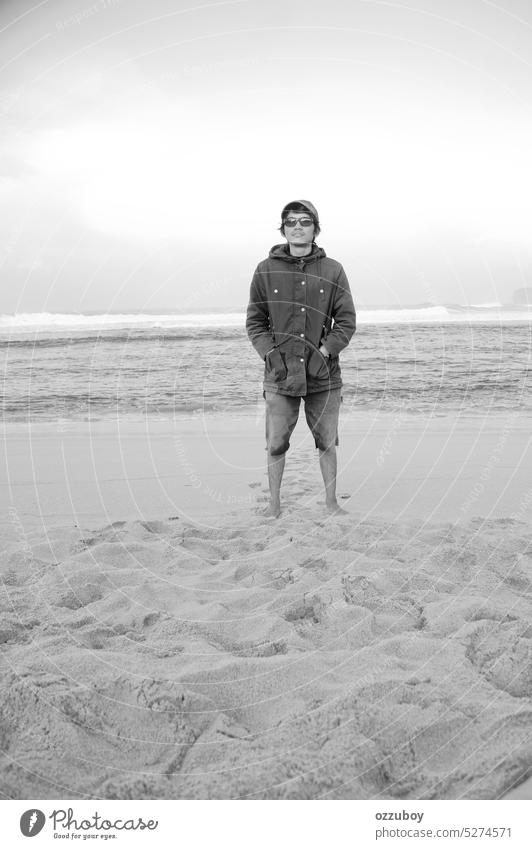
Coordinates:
[426,360]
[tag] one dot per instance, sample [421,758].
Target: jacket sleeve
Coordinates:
[258,318]
[344,316]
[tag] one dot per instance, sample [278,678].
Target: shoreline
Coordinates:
[401,466]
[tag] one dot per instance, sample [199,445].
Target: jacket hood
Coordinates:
[283,252]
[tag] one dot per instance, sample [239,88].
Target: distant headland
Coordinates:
[523,296]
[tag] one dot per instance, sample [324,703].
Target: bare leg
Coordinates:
[275,476]
[328,471]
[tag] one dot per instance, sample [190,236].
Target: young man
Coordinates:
[300,316]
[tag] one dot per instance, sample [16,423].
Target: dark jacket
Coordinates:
[297,304]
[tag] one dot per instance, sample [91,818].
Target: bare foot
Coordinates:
[272,510]
[334,507]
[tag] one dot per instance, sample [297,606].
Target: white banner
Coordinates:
[267,824]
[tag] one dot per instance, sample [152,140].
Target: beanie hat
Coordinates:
[308,206]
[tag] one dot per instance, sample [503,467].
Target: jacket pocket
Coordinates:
[276,364]
[318,365]
[334,366]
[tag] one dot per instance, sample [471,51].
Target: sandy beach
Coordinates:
[160,639]
[172,248]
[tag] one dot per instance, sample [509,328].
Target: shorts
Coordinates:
[282,412]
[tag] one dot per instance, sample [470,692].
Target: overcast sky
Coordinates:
[147,148]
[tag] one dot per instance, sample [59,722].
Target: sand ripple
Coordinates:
[299,658]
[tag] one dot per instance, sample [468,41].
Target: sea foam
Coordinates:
[438,314]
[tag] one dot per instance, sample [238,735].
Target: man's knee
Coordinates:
[278,450]
[323,446]
[326,438]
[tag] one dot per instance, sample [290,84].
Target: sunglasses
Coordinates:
[292,222]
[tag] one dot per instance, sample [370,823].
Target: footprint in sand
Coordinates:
[73,599]
[314,563]
[10,631]
[308,610]
[203,549]
[99,638]
[154,527]
[82,544]
[113,526]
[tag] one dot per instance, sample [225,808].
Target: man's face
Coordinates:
[296,229]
